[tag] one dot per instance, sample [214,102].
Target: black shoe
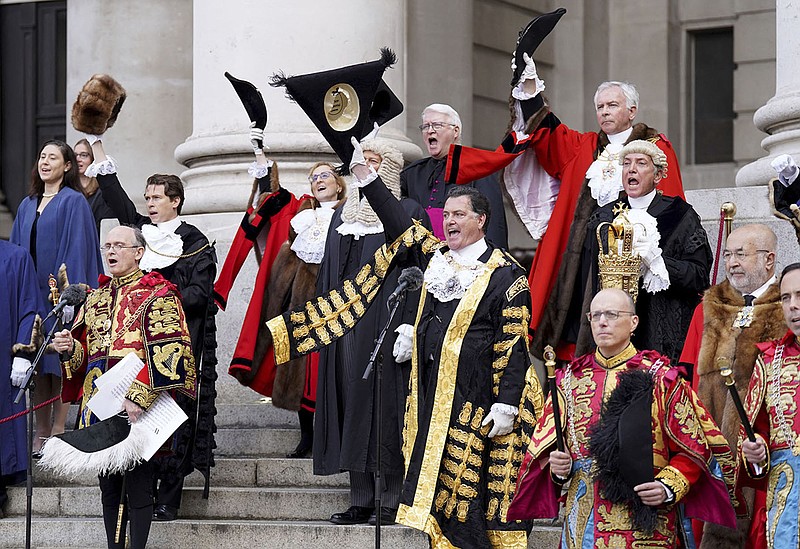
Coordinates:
[354,515]
[388,517]
[303,450]
[165,513]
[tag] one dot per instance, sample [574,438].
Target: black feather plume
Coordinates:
[388,57]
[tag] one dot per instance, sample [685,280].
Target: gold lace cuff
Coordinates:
[141,394]
[675,481]
[75,361]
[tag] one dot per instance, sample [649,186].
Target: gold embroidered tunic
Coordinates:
[135,313]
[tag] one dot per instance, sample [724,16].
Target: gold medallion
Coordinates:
[341,107]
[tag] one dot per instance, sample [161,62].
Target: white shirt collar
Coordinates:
[621,137]
[642,202]
[170,226]
[329,204]
[471,252]
[758,292]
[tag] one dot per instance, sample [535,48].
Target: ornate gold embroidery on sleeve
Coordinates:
[141,394]
[166,359]
[675,481]
[76,360]
[517,287]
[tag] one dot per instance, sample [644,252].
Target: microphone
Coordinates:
[73,295]
[410,279]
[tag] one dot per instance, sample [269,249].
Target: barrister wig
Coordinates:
[98,104]
[649,148]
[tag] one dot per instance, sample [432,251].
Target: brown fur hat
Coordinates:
[98,104]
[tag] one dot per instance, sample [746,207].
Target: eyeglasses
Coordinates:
[594,316]
[438,126]
[740,255]
[116,247]
[83,155]
[317,176]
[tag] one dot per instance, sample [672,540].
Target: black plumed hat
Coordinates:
[530,37]
[345,102]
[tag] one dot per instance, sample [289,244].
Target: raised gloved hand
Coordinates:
[531,83]
[786,168]
[257,139]
[92,138]
[19,368]
[502,415]
[403,345]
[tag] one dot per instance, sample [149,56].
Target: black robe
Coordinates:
[344,434]
[194,277]
[418,182]
[664,317]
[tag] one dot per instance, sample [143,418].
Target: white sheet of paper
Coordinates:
[113,385]
[162,418]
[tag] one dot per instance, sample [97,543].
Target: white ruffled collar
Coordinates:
[311,226]
[605,173]
[164,247]
[449,275]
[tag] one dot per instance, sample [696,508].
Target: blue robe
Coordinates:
[19,303]
[66,233]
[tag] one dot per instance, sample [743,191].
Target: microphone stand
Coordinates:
[28,385]
[377,358]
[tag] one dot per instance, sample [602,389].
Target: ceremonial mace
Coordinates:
[726,372]
[550,365]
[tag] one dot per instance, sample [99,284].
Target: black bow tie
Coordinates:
[748,299]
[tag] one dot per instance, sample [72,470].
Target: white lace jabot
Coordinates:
[449,275]
[164,247]
[311,227]
[605,173]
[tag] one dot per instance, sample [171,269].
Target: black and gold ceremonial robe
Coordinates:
[459,482]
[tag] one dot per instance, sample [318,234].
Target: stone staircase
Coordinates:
[258,499]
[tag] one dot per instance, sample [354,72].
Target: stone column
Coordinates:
[153,63]
[252,40]
[780,117]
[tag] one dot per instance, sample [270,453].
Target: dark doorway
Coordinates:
[33,83]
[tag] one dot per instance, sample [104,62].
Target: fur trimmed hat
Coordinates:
[98,104]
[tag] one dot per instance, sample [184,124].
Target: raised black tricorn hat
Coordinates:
[530,37]
[251,99]
[345,102]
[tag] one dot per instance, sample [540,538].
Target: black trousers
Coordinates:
[170,490]
[138,505]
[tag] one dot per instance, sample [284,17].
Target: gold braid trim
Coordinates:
[508,539]
[280,339]
[141,394]
[675,481]
[182,256]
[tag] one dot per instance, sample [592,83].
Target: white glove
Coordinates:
[403,345]
[91,138]
[374,133]
[785,167]
[256,135]
[503,417]
[19,368]
[529,84]
[644,249]
[358,154]
[67,313]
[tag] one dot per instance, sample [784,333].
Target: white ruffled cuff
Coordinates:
[106,167]
[259,170]
[406,330]
[505,409]
[656,277]
[787,180]
[359,183]
[519,92]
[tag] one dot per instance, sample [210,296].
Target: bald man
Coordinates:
[625,475]
[736,314]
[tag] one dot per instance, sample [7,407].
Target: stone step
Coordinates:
[233,534]
[231,472]
[255,442]
[223,503]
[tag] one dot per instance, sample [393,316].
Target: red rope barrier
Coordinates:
[719,247]
[26,410]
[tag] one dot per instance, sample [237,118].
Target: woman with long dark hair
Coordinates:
[54,223]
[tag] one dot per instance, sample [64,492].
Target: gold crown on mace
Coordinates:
[620,266]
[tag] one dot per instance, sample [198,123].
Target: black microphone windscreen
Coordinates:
[413,278]
[74,294]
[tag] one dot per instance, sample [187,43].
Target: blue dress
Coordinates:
[19,303]
[65,233]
